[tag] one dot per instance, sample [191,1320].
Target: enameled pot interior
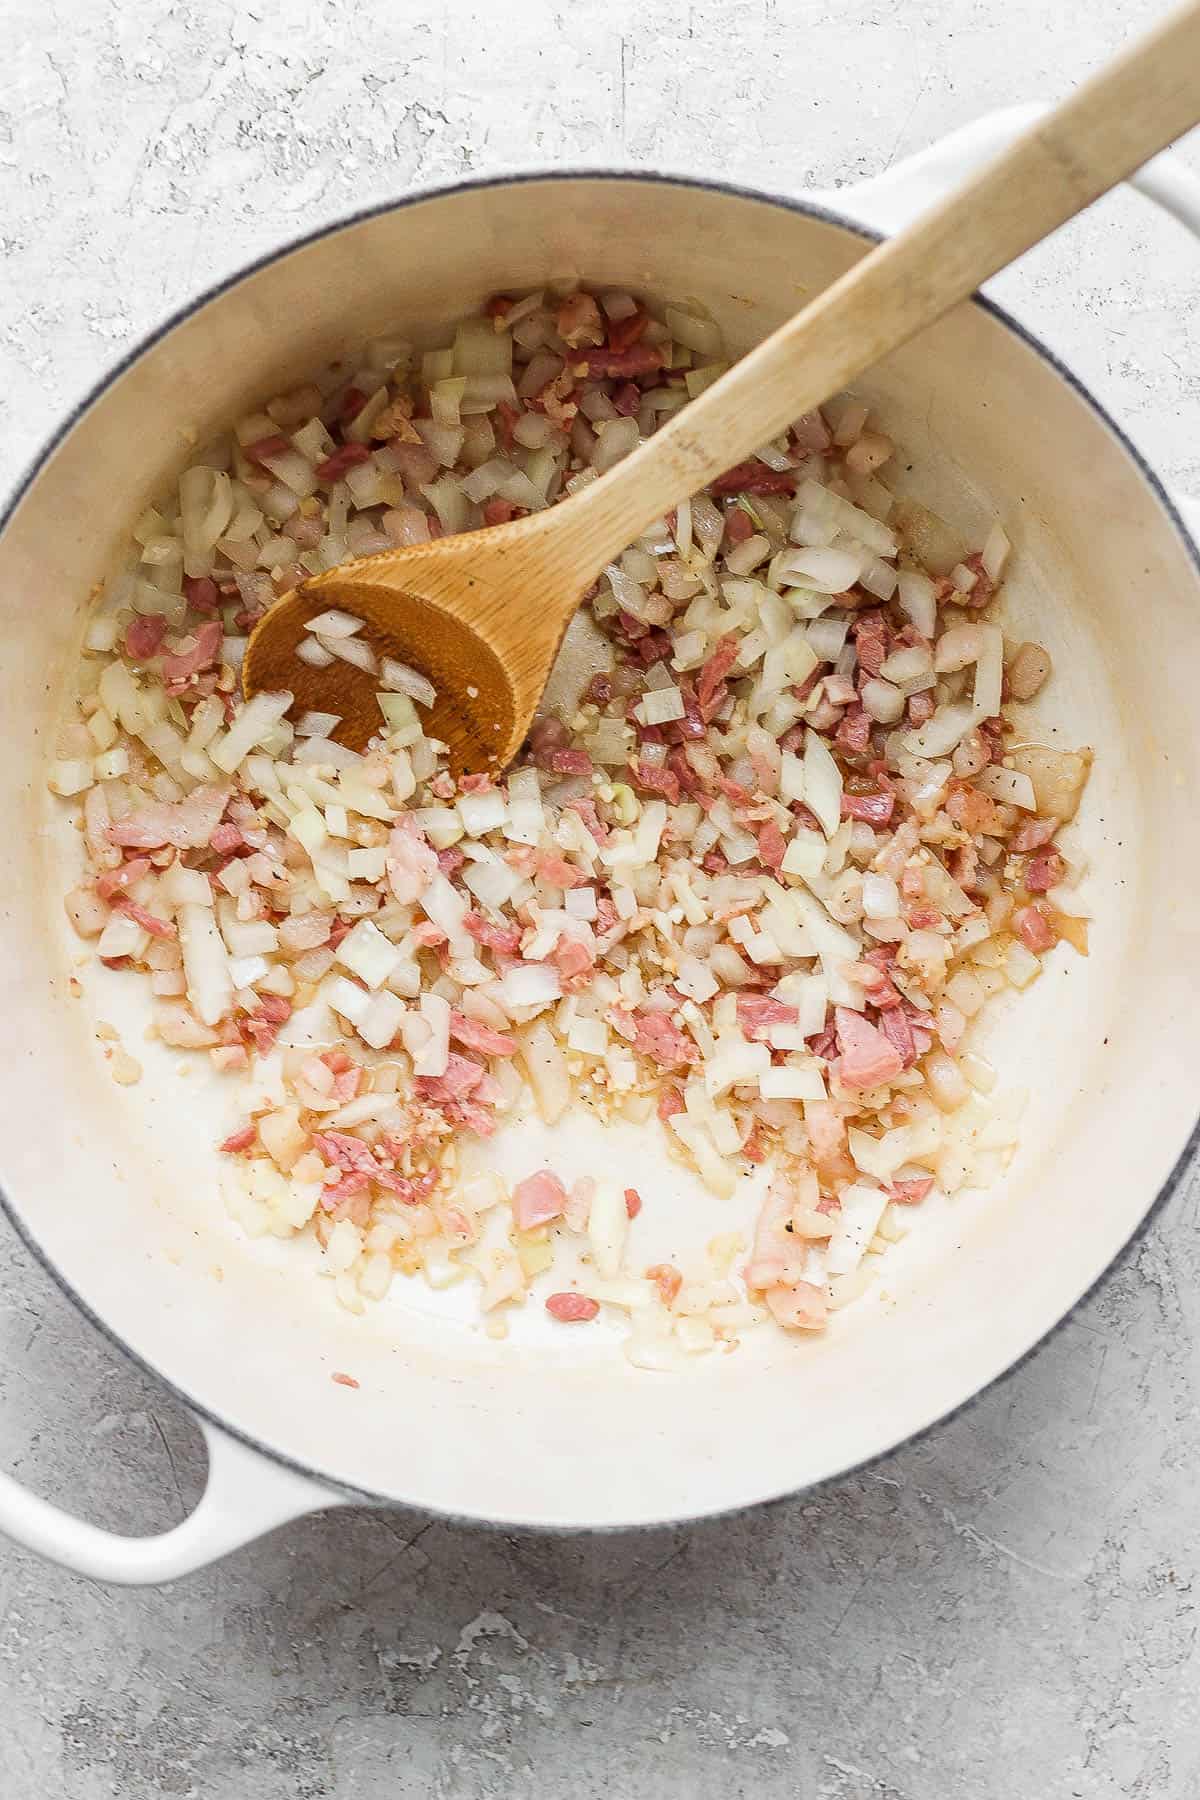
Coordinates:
[117,1187]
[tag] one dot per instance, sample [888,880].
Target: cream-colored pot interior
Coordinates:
[117,1187]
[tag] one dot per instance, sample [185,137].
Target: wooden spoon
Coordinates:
[483,614]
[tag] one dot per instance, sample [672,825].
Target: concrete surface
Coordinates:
[1006,1611]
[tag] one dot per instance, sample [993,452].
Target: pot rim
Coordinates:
[814,209]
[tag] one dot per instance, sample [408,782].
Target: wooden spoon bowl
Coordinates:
[478,713]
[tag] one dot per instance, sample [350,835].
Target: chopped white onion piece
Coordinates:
[822,783]
[880,897]
[481,813]
[608,1225]
[447,908]
[906,664]
[315,655]
[251,727]
[356,652]
[588,1036]
[805,855]
[317,724]
[382,1019]
[525,814]
[861,1210]
[918,598]
[122,936]
[530,984]
[792,1081]
[989,674]
[367,953]
[432,1057]
[399,678]
[1010,786]
[205,963]
[734,1063]
[71,776]
[881,701]
[661,705]
[828,571]
[996,548]
[947,728]
[827,637]
[334,624]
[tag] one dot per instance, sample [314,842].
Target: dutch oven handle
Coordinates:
[247,1493]
[888,201]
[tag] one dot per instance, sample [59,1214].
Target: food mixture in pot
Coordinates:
[752,889]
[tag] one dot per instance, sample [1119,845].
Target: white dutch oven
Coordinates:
[116,1189]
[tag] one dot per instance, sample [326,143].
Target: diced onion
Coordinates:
[314,654]
[995,552]
[250,728]
[822,783]
[828,571]
[918,598]
[1010,786]
[530,984]
[399,678]
[335,624]
[317,724]
[205,963]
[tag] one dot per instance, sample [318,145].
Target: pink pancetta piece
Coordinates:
[653,778]
[572,1309]
[758,1012]
[345,457]
[754,477]
[144,636]
[471,1115]
[206,646]
[893,1023]
[573,960]
[345,1188]
[873,809]
[738,527]
[187,824]
[411,862]
[538,1199]
[854,732]
[341,1151]
[772,845]
[912,1191]
[716,669]
[239,1140]
[1033,834]
[462,1077]
[801,1307]
[867,1057]
[559,872]
[1033,928]
[505,940]
[664,1043]
[641,359]
[158,928]
[1044,871]
[118,881]
[777,1255]
[475,1035]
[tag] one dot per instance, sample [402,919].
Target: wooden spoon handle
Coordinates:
[1115,122]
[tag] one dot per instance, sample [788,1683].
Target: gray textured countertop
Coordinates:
[1005,1609]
